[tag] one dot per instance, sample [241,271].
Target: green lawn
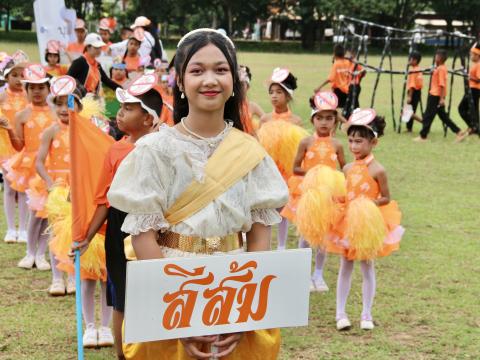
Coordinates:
[427,304]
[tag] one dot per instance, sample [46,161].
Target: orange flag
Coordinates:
[88,147]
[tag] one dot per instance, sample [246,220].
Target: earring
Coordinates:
[182,96]
[233,93]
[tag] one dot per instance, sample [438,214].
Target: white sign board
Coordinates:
[207,295]
[53,22]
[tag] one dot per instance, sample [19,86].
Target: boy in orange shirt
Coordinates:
[436,100]
[339,76]
[470,114]
[357,72]
[414,87]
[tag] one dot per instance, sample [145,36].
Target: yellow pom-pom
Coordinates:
[315,215]
[322,175]
[92,106]
[281,139]
[366,229]
[92,262]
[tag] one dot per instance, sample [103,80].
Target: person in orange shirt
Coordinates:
[468,107]
[75,49]
[132,57]
[12,101]
[414,87]
[52,57]
[135,118]
[436,100]
[339,77]
[105,33]
[29,125]
[166,92]
[321,148]
[357,73]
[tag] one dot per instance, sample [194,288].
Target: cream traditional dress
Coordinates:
[150,181]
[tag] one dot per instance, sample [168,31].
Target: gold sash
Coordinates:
[234,158]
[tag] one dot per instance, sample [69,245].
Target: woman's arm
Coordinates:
[106,80]
[79,70]
[146,247]
[258,238]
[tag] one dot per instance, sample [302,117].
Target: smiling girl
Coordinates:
[152,180]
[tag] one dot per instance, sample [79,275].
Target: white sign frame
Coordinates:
[288,294]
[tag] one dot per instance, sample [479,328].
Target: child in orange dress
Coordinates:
[369,226]
[29,125]
[251,111]
[52,57]
[282,85]
[53,168]
[56,144]
[318,149]
[132,57]
[12,101]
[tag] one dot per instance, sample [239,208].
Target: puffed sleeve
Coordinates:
[266,192]
[139,188]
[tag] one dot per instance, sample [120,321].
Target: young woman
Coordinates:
[208,96]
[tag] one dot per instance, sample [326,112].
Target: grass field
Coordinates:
[427,304]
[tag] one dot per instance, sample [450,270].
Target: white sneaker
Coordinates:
[22,236]
[366,325]
[57,288]
[71,288]
[105,336]
[343,324]
[90,337]
[27,262]
[10,236]
[319,285]
[42,264]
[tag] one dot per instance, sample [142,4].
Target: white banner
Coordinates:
[53,22]
[207,295]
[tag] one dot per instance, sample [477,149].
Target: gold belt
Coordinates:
[193,244]
[199,245]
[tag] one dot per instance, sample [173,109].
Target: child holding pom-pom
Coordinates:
[314,153]
[369,226]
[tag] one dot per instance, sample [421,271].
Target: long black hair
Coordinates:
[185,51]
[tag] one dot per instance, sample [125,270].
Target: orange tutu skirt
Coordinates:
[255,345]
[20,170]
[294,186]
[6,148]
[365,231]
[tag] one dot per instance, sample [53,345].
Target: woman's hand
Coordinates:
[227,343]
[191,346]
